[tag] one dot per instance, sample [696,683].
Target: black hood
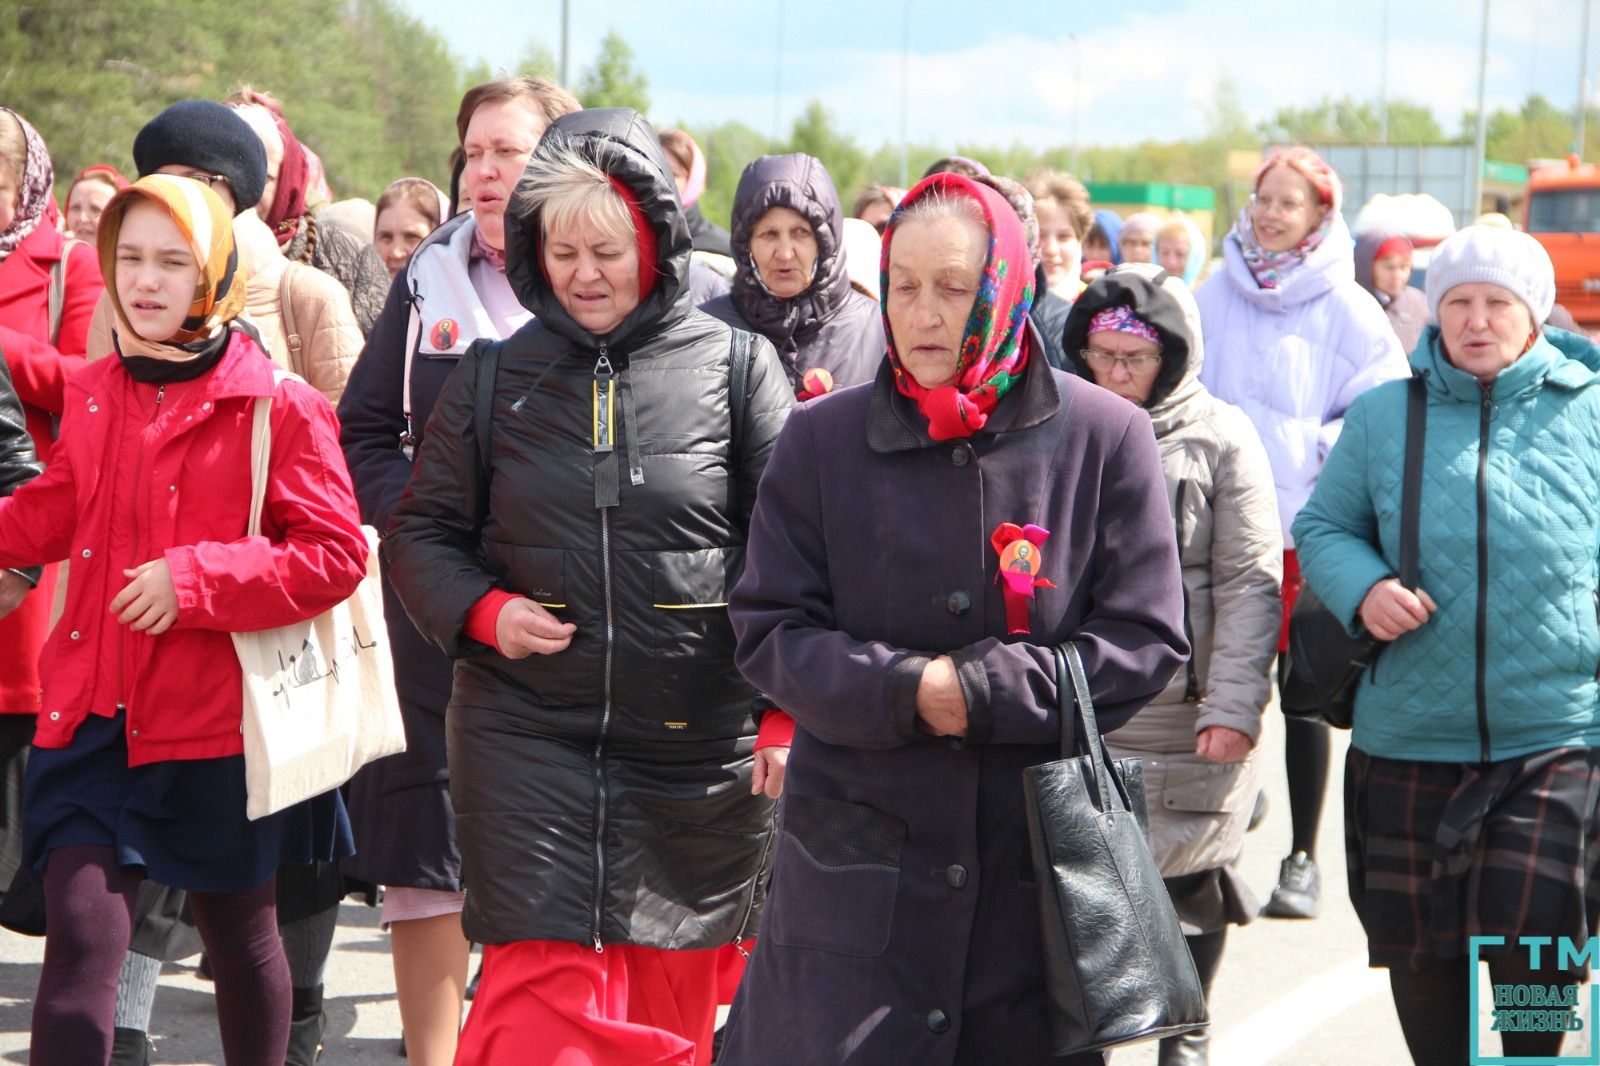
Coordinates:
[800,183]
[623,145]
[1121,287]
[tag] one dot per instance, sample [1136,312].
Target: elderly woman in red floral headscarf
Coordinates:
[291,175]
[898,926]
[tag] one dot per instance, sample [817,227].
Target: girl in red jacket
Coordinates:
[137,769]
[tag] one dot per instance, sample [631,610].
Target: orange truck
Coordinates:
[1562,212]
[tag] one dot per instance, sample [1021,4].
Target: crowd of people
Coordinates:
[692,552]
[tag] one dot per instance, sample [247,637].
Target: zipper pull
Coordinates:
[605,403]
[160,394]
[599,948]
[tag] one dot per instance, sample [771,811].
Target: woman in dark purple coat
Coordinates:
[902,924]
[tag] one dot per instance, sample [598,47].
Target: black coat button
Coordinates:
[959,603]
[960,456]
[956,876]
[938,1021]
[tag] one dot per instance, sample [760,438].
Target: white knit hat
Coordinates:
[1503,257]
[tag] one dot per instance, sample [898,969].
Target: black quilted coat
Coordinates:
[602,794]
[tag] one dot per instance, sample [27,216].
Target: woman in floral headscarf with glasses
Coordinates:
[898,926]
[1293,340]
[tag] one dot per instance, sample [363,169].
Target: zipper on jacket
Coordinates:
[1485,413]
[603,375]
[750,898]
[138,477]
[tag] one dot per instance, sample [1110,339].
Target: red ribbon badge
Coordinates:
[1021,562]
[816,382]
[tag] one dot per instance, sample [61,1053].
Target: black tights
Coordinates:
[90,902]
[1436,1015]
[1305,756]
[1206,951]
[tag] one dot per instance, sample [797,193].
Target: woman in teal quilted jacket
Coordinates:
[1473,777]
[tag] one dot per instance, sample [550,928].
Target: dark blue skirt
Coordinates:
[182,820]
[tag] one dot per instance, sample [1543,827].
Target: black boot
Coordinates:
[130,1047]
[306,1023]
[1190,1049]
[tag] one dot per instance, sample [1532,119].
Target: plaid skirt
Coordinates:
[1440,852]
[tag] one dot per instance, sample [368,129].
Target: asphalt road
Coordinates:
[1290,992]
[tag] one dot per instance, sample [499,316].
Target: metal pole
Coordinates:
[1583,79]
[566,41]
[1476,206]
[905,94]
[777,76]
[1076,67]
[1383,81]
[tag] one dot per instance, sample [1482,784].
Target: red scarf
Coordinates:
[294,177]
[994,348]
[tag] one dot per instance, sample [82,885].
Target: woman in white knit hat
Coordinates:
[1473,776]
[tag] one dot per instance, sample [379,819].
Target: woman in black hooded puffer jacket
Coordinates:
[826,325]
[572,548]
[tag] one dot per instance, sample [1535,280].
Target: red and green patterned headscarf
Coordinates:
[994,349]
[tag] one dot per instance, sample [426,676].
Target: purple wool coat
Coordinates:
[902,921]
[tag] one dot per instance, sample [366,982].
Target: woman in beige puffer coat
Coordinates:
[1136,331]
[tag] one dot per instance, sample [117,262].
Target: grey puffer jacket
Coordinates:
[602,794]
[1408,312]
[1225,513]
[829,325]
[353,261]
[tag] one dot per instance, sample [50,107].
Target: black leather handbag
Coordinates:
[1117,970]
[1325,661]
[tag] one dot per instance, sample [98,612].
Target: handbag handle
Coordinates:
[260,458]
[1072,684]
[261,451]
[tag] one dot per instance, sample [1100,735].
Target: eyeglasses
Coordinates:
[201,175]
[1136,365]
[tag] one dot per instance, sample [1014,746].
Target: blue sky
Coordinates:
[1130,72]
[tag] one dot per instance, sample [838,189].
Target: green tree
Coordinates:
[369,88]
[1351,121]
[537,61]
[728,147]
[815,134]
[613,81]
[1536,130]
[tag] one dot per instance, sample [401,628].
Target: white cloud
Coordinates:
[1146,73]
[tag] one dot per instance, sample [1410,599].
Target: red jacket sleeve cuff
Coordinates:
[484,614]
[777,730]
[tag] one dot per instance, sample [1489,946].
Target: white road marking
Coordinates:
[1263,1037]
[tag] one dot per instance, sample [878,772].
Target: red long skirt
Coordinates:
[556,1003]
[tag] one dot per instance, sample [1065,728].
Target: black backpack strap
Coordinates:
[741,354]
[1411,486]
[487,354]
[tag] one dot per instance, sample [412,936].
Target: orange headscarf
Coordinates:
[207,225]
